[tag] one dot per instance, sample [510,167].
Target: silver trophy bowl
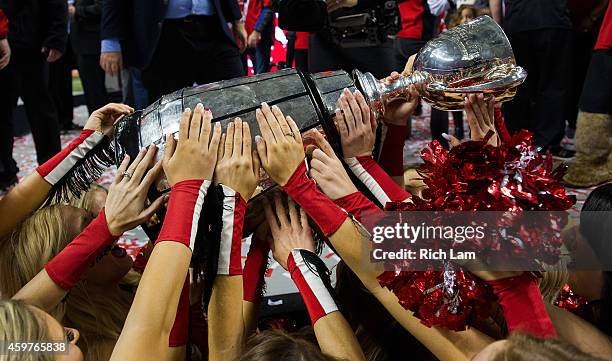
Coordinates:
[475,57]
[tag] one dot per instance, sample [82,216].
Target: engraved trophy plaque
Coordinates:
[475,57]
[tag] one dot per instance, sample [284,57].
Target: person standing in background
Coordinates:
[60,81]
[301,50]
[586,18]
[593,163]
[37,36]
[420,19]
[175,43]
[540,35]
[259,23]
[85,37]
[326,54]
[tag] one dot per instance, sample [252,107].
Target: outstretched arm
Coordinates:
[357,127]
[237,174]
[189,167]
[124,209]
[293,248]
[29,194]
[283,159]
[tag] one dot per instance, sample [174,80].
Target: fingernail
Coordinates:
[154,146]
[199,106]
[357,92]
[187,110]
[446,136]
[166,196]
[217,125]
[264,104]
[207,109]
[257,139]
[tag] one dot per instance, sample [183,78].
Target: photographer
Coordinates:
[327,52]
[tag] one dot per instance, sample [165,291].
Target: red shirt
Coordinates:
[3,25]
[604,40]
[301,41]
[253,12]
[417,22]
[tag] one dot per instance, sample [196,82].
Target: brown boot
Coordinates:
[593,164]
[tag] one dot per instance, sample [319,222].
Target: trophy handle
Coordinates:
[512,78]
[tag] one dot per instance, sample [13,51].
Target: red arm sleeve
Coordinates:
[4,25]
[523,306]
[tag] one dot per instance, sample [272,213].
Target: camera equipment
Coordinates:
[369,28]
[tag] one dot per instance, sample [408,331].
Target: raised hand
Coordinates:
[280,145]
[237,166]
[356,124]
[288,233]
[195,155]
[327,170]
[481,117]
[125,203]
[103,119]
[399,111]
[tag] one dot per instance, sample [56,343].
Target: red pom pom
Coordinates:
[477,176]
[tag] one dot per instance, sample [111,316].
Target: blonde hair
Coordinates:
[36,241]
[553,280]
[18,322]
[32,244]
[521,347]
[87,200]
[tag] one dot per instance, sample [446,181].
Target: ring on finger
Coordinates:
[127,175]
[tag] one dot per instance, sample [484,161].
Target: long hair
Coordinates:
[278,345]
[596,227]
[520,347]
[31,244]
[553,280]
[35,242]
[18,322]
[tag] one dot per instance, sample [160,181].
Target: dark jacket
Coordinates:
[85,27]
[137,24]
[37,23]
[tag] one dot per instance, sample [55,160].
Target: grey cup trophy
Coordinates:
[475,57]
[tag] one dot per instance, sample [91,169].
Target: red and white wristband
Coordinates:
[232,218]
[359,206]
[306,269]
[254,269]
[376,180]
[66,268]
[183,214]
[55,168]
[323,211]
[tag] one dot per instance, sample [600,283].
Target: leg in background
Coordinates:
[8,100]
[32,69]
[92,78]
[439,125]
[548,114]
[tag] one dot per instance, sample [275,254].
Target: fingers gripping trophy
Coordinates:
[475,57]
